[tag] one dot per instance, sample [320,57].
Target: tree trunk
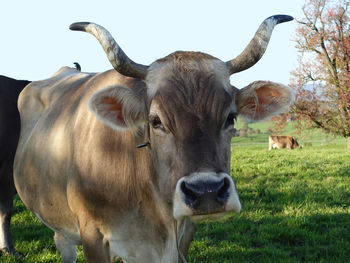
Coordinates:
[348,143]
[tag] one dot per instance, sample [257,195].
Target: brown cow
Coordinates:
[282,141]
[78,169]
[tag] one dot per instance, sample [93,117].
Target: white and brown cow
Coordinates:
[78,169]
[282,141]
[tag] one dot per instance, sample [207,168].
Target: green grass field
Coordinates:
[295,208]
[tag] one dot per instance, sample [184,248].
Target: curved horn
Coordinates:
[119,60]
[77,66]
[257,46]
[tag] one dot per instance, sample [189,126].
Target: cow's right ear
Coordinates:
[119,107]
[263,99]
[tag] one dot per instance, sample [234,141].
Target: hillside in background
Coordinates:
[260,131]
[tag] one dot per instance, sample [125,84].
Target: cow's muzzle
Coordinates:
[205,195]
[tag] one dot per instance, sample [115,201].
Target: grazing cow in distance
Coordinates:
[78,169]
[9,133]
[282,141]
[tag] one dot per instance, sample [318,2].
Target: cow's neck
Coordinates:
[153,233]
[148,219]
[167,234]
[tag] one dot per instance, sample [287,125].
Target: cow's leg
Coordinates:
[6,243]
[66,248]
[96,249]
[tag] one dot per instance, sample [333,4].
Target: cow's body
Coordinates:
[78,169]
[9,133]
[282,141]
[73,180]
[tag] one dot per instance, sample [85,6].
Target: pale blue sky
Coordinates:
[36,41]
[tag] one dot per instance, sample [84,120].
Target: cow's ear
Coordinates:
[119,107]
[263,99]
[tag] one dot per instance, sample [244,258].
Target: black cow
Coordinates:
[9,133]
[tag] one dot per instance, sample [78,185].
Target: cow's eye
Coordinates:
[156,122]
[230,120]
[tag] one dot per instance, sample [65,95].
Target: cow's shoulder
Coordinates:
[68,82]
[42,93]
[66,87]
[38,96]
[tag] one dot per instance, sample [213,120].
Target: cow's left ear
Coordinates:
[263,99]
[119,107]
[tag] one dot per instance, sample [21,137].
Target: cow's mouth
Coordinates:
[212,216]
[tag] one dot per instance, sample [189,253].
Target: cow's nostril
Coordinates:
[190,195]
[223,192]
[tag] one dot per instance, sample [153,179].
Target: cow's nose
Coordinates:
[204,196]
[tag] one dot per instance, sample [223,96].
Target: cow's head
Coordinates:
[188,114]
